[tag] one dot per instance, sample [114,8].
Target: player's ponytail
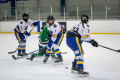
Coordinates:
[43,27]
[44,24]
[83,24]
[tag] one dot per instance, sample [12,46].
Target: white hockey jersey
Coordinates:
[22,26]
[82,30]
[54,30]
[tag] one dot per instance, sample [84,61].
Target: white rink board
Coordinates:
[95,26]
[100,26]
[9,27]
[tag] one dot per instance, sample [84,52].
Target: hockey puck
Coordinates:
[66,67]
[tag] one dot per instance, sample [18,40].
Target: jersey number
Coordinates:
[75,29]
[88,30]
[26,27]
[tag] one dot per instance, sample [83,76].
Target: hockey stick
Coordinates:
[36,53]
[20,44]
[63,52]
[109,48]
[42,50]
[27,54]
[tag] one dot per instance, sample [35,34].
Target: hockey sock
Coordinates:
[80,64]
[35,54]
[58,52]
[40,55]
[52,54]
[75,60]
[53,50]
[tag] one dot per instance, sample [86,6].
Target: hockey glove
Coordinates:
[73,34]
[94,43]
[26,33]
[35,24]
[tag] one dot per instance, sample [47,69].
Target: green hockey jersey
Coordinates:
[43,36]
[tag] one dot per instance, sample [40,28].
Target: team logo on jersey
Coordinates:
[21,22]
[54,25]
[26,27]
[88,26]
[76,28]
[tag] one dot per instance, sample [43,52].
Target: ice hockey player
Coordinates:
[21,31]
[74,38]
[55,38]
[43,41]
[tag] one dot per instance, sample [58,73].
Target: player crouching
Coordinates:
[21,31]
[75,36]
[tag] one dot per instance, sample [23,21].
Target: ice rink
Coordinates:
[102,64]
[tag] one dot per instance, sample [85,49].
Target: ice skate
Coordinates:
[59,60]
[46,59]
[74,68]
[82,73]
[24,54]
[19,54]
[53,57]
[33,56]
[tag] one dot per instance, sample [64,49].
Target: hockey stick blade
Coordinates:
[12,52]
[118,51]
[14,57]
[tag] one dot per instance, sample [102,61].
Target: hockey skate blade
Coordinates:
[44,62]
[58,63]
[118,51]
[73,71]
[81,75]
[54,59]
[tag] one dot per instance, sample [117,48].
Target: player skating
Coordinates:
[21,31]
[74,39]
[55,38]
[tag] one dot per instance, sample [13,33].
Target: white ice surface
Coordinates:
[102,64]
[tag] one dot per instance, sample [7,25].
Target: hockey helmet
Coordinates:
[84,18]
[24,14]
[50,17]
